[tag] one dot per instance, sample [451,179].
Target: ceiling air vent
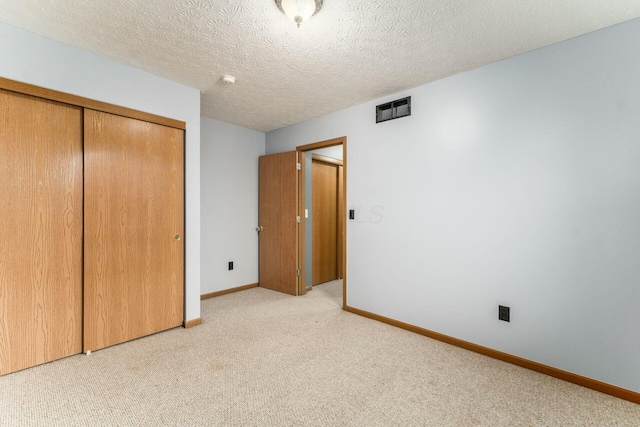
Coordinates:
[393,110]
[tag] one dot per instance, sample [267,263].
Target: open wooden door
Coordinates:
[134,223]
[281,222]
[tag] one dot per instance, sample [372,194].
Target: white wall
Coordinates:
[334,152]
[517,184]
[229,191]
[39,61]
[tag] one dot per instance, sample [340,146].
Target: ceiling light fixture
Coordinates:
[299,10]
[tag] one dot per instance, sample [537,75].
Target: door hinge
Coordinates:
[298,219]
[297,272]
[298,166]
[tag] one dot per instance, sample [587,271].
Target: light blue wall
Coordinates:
[517,183]
[39,61]
[334,152]
[229,165]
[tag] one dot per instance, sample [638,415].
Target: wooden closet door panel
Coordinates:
[134,206]
[40,231]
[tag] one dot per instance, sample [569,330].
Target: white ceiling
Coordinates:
[351,52]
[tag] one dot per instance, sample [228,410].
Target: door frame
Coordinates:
[301,241]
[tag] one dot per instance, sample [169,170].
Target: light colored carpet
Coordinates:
[267,359]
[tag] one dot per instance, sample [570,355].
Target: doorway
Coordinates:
[325,214]
[322,244]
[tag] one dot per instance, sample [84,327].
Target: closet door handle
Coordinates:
[176,237]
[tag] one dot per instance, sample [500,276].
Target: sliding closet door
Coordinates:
[40,231]
[134,221]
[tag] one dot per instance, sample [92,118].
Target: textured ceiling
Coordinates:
[352,51]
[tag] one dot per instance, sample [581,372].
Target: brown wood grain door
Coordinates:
[279,205]
[325,222]
[40,231]
[341,221]
[134,227]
